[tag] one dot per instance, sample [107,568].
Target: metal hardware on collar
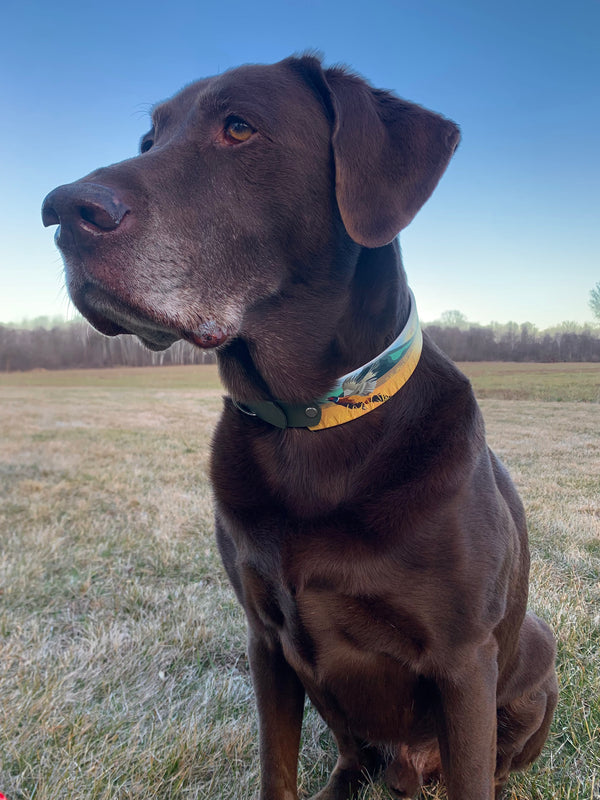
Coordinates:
[243,408]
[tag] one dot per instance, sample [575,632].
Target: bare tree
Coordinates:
[454,319]
[595,300]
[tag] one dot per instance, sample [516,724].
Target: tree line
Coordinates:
[76,345]
[69,345]
[514,342]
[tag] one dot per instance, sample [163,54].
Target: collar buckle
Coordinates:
[283,415]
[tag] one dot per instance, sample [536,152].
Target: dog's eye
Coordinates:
[147,141]
[237,130]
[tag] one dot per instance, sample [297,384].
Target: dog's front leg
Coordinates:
[280,700]
[468,726]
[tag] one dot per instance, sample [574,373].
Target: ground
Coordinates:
[123,669]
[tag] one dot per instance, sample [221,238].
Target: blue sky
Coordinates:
[511,233]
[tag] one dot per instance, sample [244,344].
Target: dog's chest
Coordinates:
[363,649]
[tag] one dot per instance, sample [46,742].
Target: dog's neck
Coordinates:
[299,344]
[378,309]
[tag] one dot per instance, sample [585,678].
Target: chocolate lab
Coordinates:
[378,547]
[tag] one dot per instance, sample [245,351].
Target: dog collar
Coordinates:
[354,394]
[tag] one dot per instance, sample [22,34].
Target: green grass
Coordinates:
[506,380]
[123,670]
[177,377]
[559,382]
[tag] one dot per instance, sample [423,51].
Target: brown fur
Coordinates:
[382,564]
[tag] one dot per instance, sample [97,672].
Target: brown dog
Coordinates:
[377,545]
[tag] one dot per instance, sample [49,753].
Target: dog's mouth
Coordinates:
[111,316]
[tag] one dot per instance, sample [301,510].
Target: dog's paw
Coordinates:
[342,785]
[411,768]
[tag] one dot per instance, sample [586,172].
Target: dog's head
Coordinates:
[248,185]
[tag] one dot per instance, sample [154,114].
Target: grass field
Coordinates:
[508,381]
[123,671]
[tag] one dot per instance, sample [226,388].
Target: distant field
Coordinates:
[509,381]
[123,671]
[186,377]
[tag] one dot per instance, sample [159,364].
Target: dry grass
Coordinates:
[559,382]
[123,671]
[505,380]
[171,377]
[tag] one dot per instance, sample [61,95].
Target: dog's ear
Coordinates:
[389,156]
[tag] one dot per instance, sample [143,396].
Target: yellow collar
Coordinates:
[354,394]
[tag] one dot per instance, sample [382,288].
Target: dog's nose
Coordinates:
[88,207]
